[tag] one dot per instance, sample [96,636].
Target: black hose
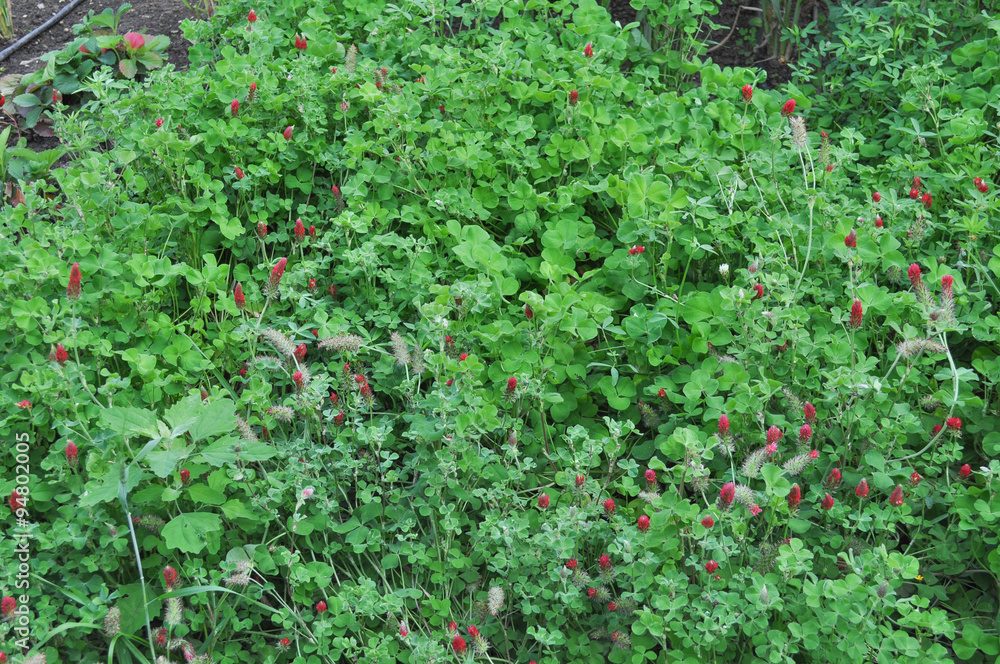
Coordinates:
[7,52]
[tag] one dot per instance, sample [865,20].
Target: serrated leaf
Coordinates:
[130,421]
[187,532]
[216,418]
[128,68]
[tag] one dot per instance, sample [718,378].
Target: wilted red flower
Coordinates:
[458,645]
[252,16]
[588,50]
[16,500]
[794,497]
[169,576]
[573,97]
[580,479]
[300,352]
[643,523]
[312,287]
[862,490]
[543,501]
[605,562]
[338,419]
[747,92]
[711,566]
[71,453]
[612,606]
[572,564]
[805,433]
[723,426]
[528,313]
[876,197]
[897,496]
[878,222]
[927,200]
[814,454]
[185,475]
[727,494]
[851,240]
[300,43]
[287,133]
[591,592]
[609,507]
[915,478]
[441,108]
[73,289]
[449,382]
[953,423]
[857,314]
[788,108]
[238,297]
[234,108]
[829,168]
[965,471]
[261,230]
[708,522]
[331,290]
[758,290]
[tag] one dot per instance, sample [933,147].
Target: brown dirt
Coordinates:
[741,48]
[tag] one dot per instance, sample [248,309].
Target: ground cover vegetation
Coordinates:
[500,332]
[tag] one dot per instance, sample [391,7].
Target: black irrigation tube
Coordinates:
[9,51]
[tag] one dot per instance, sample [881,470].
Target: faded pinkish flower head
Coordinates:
[755,509]
[805,433]
[307,493]
[543,501]
[896,498]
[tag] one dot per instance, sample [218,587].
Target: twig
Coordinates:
[739,8]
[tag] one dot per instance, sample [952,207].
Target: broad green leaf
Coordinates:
[187,532]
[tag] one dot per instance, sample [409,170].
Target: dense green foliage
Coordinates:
[550,308]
